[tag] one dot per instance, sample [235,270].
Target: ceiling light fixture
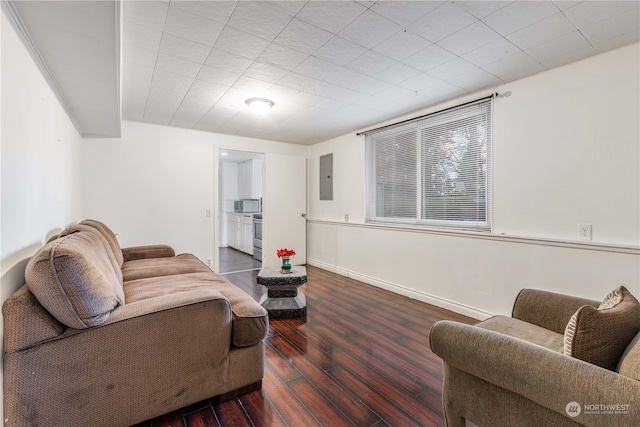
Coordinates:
[259,105]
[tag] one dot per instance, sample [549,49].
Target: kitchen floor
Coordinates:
[232,260]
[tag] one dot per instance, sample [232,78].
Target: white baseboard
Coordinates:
[408,292]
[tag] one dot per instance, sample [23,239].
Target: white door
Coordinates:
[284,206]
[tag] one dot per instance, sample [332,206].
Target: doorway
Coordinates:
[240,180]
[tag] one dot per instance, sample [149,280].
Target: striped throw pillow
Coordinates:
[600,335]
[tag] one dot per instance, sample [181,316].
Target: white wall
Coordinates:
[41,191]
[155,183]
[152,185]
[566,150]
[39,174]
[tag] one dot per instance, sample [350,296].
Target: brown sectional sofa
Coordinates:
[104,336]
[515,371]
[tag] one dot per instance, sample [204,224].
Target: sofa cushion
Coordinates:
[601,335]
[249,319]
[525,331]
[75,228]
[167,266]
[72,277]
[109,235]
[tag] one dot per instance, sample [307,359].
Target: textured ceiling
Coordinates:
[331,67]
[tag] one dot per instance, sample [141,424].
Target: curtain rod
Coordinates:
[493,95]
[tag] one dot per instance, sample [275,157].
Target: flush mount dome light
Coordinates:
[259,105]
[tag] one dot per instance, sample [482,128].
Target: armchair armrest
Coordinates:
[548,310]
[149,251]
[543,376]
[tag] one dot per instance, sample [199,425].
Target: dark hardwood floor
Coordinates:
[232,260]
[360,357]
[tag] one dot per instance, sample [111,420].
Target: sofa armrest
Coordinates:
[149,251]
[158,354]
[163,302]
[543,376]
[548,310]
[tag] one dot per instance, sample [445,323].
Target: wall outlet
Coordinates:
[584,231]
[209,213]
[346,217]
[210,262]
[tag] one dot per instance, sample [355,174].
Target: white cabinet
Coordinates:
[244,180]
[233,230]
[246,234]
[250,179]
[240,232]
[256,179]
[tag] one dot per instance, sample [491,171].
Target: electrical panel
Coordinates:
[326,177]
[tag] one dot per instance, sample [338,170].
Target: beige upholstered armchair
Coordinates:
[530,369]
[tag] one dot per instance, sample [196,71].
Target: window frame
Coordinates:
[483,107]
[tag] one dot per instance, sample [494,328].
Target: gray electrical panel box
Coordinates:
[326,177]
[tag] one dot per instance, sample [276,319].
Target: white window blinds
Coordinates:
[434,170]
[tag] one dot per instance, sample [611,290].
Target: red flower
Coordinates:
[285,252]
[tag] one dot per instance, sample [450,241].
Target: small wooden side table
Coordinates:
[282,298]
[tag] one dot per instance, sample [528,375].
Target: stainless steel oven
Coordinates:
[257,237]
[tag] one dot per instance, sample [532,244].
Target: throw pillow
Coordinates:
[600,335]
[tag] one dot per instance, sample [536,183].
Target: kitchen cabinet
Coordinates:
[240,232]
[250,179]
[233,230]
[246,234]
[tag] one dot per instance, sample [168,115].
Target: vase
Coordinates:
[285,268]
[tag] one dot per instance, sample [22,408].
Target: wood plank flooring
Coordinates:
[360,357]
[232,260]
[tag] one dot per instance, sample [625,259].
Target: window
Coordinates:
[434,170]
